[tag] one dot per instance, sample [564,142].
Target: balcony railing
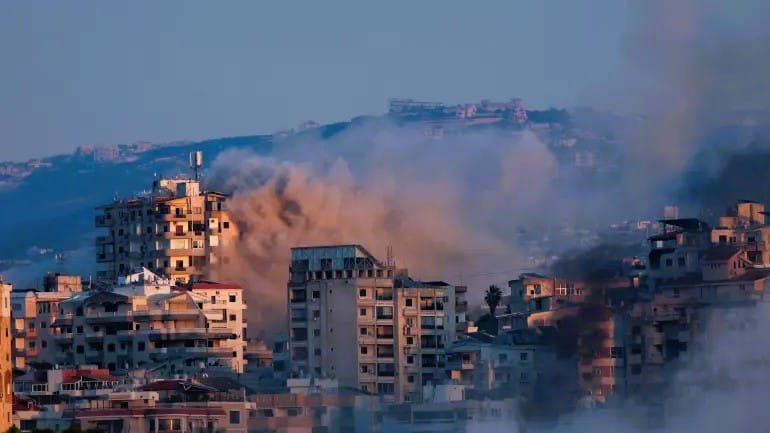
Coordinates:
[102,221]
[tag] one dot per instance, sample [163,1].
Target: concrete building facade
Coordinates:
[33,314]
[176,230]
[6,364]
[358,320]
[146,322]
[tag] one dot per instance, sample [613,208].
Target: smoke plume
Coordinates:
[451,207]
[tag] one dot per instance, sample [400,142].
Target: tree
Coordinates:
[492,298]
[13,429]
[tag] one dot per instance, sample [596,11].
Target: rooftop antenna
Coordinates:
[196,161]
[390,256]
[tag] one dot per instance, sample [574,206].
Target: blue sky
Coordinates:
[84,72]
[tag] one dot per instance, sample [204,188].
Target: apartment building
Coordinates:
[176,230]
[33,314]
[676,252]
[147,322]
[6,365]
[354,318]
[487,366]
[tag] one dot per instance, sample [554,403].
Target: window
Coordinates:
[361,293]
[233,317]
[681,262]
[226,225]
[362,331]
[316,333]
[523,356]
[669,262]
[233,298]
[410,378]
[235,417]
[364,350]
[410,359]
[384,312]
[362,312]
[409,302]
[409,340]
[44,344]
[616,352]
[385,388]
[317,352]
[316,294]
[110,347]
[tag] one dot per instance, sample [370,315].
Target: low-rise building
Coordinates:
[34,312]
[147,322]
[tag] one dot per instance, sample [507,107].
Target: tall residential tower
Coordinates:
[176,230]
[354,318]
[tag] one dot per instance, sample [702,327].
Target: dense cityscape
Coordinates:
[415,217]
[152,341]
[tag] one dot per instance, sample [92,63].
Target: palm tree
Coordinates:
[492,298]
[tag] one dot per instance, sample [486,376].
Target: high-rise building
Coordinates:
[176,230]
[6,365]
[147,322]
[355,319]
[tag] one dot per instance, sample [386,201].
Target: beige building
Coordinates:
[176,230]
[6,365]
[147,322]
[33,314]
[355,319]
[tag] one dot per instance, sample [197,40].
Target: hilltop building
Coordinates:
[176,231]
[358,320]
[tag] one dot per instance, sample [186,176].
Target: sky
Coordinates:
[85,72]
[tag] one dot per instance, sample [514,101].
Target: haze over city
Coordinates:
[262,217]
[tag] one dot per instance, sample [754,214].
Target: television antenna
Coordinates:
[196,162]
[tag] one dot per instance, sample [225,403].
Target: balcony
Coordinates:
[103,240]
[655,357]
[95,336]
[105,257]
[65,338]
[159,314]
[189,334]
[180,270]
[656,338]
[460,365]
[664,316]
[103,221]
[105,317]
[166,353]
